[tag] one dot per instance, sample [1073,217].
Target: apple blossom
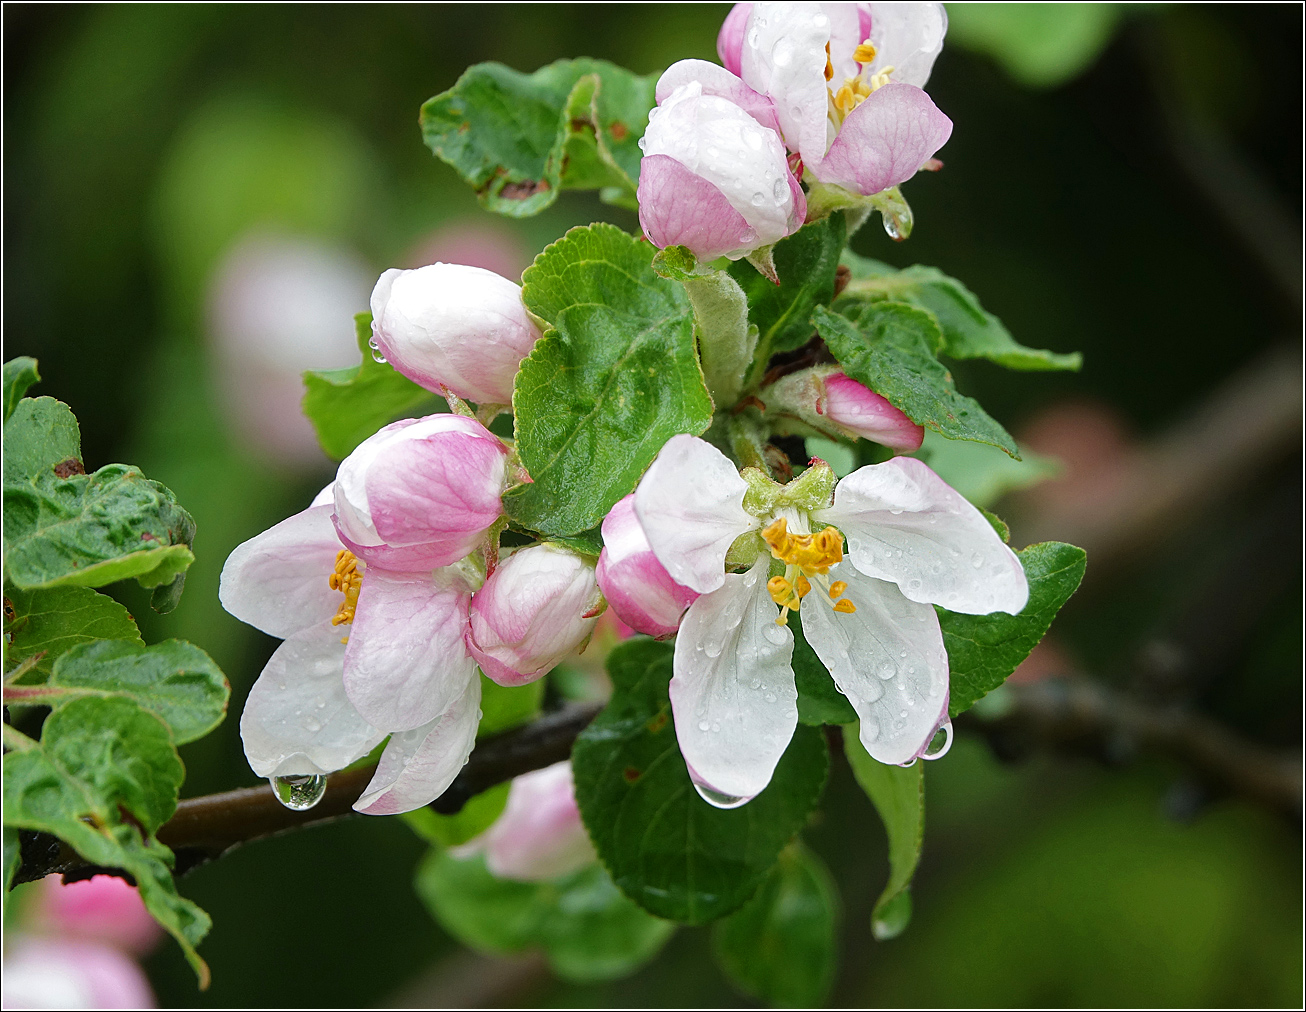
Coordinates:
[449,326]
[912,542]
[846,84]
[539,836]
[537,606]
[102,908]
[714,176]
[637,587]
[828,401]
[71,973]
[326,699]
[420,493]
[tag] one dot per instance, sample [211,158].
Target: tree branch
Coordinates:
[205,828]
[1083,716]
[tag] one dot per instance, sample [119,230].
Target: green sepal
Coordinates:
[19,376]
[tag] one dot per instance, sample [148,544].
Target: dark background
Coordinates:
[1146,212]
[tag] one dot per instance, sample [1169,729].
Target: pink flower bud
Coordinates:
[103,908]
[536,607]
[448,325]
[713,178]
[864,412]
[637,586]
[420,493]
[67,973]
[539,836]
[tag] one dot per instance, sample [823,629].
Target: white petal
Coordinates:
[733,693]
[407,663]
[906,525]
[887,658]
[277,581]
[908,37]
[419,765]
[690,504]
[297,719]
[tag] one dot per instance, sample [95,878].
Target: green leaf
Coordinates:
[96,529]
[587,929]
[667,848]
[518,139]
[104,779]
[806,263]
[1039,45]
[40,435]
[780,945]
[984,474]
[984,649]
[473,819]
[898,794]
[891,347]
[20,373]
[174,680]
[969,331]
[588,542]
[503,707]
[348,405]
[819,700]
[603,390]
[53,621]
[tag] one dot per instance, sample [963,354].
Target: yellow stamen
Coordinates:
[865,53]
[348,579]
[780,589]
[829,67]
[802,586]
[807,556]
[837,588]
[879,80]
[845,607]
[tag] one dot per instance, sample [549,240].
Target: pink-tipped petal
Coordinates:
[885,140]
[906,525]
[730,40]
[679,208]
[864,412]
[277,581]
[690,505]
[406,662]
[638,587]
[721,82]
[908,36]
[733,693]
[418,766]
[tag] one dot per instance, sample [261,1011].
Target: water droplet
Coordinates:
[718,800]
[312,725]
[758,199]
[753,138]
[282,686]
[886,670]
[938,749]
[897,224]
[774,633]
[977,561]
[713,152]
[782,53]
[896,513]
[376,351]
[716,726]
[300,793]
[902,653]
[779,189]
[914,584]
[908,765]
[704,725]
[756,683]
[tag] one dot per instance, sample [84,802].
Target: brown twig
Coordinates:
[205,828]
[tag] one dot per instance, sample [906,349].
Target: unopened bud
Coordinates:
[637,586]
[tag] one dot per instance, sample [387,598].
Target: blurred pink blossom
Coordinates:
[41,973]
[103,908]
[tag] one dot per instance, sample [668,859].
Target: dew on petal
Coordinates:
[938,749]
[299,793]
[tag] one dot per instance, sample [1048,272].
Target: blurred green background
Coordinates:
[1121,181]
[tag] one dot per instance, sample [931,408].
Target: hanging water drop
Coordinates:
[299,793]
[897,223]
[376,351]
[718,800]
[938,749]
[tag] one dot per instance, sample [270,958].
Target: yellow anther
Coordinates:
[780,589]
[845,99]
[837,588]
[829,67]
[348,579]
[865,53]
[845,607]
[879,80]
[802,586]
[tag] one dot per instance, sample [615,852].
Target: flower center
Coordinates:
[807,557]
[347,578]
[855,90]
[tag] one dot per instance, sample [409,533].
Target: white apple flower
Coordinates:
[912,542]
